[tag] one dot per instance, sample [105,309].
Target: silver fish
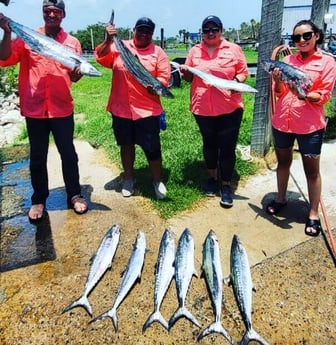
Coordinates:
[164,272]
[241,280]
[184,271]
[302,80]
[220,83]
[130,276]
[50,48]
[212,271]
[101,262]
[139,72]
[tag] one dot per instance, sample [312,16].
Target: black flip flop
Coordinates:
[274,207]
[315,224]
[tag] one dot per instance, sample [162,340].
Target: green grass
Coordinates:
[183,167]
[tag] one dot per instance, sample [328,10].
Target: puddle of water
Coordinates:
[23,244]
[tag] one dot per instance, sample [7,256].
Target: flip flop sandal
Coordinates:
[38,211]
[78,204]
[274,207]
[314,224]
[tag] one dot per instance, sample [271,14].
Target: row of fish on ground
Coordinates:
[179,265]
[54,50]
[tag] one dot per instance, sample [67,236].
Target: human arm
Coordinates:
[5,44]
[104,48]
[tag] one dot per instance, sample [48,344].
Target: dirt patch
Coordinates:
[295,293]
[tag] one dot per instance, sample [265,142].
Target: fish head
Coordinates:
[267,65]
[87,69]
[162,91]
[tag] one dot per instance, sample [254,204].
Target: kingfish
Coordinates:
[241,280]
[101,262]
[219,83]
[184,271]
[50,48]
[212,270]
[289,73]
[130,276]
[164,272]
[139,72]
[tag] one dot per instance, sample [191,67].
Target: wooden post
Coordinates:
[270,37]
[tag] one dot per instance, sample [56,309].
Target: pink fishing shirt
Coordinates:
[44,84]
[300,116]
[128,98]
[228,61]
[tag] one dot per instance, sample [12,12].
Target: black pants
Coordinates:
[62,130]
[220,136]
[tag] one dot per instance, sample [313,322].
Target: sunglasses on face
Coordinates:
[56,12]
[213,30]
[306,36]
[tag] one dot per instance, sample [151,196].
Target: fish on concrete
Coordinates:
[184,271]
[212,271]
[241,280]
[130,276]
[50,48]
[219,83]
[101,263]
[289,73]
[164,272]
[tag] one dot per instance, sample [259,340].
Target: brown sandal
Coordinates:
[36,212]
[79,204]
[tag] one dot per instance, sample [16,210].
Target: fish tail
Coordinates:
[80,302]
[112,314]
[180,312]
[253,335]
[156,316]
[216,327]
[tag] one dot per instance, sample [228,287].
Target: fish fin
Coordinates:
[180,312]
[251,334]
[80,302]
[112,314]
[156,316]
[77,61]
[216,327]
[227,280]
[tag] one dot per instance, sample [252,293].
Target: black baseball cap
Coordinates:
[145,22]
[212,19]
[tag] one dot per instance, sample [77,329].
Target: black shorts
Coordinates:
[309,144]
[143,132]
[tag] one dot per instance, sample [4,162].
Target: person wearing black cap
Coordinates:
[218,113]
[136,110]
[47,105]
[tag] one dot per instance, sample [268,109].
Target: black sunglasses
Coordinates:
[306,36]
[208,30]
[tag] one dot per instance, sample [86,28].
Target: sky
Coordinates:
[172,15]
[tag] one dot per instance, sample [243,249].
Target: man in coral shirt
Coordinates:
[47,104]
[136,110]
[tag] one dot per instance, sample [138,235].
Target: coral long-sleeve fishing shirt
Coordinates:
[44,84]
[227,61]
[128,98]
[293,115]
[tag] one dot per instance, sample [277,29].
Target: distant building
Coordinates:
[295,10]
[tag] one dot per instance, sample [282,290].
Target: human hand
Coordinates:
[4,23]
[111,31]
[151,90]
[75,74]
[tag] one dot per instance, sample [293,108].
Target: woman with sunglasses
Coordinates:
[218,113]
[47,105]
[302,118]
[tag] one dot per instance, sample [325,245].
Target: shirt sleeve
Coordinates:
[163,68]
